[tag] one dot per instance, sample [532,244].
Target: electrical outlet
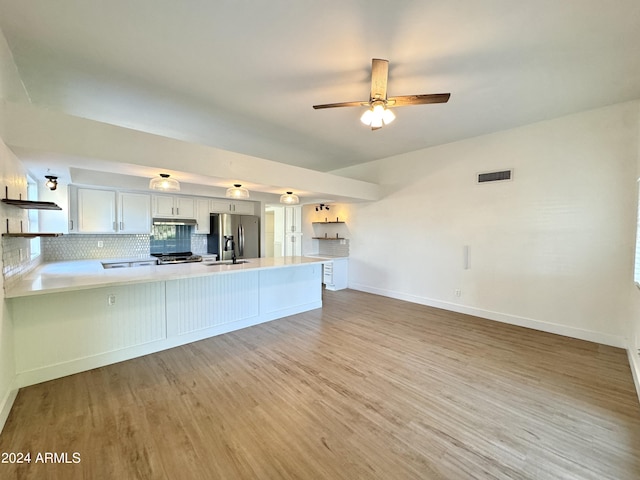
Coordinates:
[458,292]
[111,300]
[100,244]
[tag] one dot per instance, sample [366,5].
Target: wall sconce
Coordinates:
[322,206]
[52,182]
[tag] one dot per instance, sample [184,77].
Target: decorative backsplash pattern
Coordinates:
[16,259]
[83,247]
[338,248]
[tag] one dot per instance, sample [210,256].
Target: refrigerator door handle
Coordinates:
[240,240]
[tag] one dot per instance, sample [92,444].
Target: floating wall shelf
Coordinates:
[32,234]
[328,238]
[31,204]
[324,223]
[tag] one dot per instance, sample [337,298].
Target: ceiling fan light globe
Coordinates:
[388,116]
[376,122]
[366,117]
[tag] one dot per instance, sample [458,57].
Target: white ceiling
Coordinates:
[243,75]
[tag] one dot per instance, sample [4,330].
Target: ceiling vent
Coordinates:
[500,176]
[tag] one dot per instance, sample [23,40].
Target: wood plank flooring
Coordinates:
[365,388]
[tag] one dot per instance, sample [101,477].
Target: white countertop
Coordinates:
[83,274]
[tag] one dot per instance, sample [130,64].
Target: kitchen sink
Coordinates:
[227,262]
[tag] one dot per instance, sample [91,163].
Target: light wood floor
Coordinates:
[366,388]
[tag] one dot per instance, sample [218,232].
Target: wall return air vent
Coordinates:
[499,176]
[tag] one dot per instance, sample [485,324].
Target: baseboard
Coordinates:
[558,329]
[6,404]
[634,363]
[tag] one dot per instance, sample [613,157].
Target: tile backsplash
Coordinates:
[83,247]
[16,259]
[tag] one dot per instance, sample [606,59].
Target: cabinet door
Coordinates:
[293,244]
[202,216]
[134,213]
[242,208]
[163,206]
[185,207]
[96,211]
[293,219]
[220,206]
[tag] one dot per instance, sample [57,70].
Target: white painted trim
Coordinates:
[50,372]
[567,331]
[634,363]
[7,404]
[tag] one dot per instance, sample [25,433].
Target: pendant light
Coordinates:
[289,198]
[163,182]
[237,191]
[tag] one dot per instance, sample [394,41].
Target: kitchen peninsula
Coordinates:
[75,316]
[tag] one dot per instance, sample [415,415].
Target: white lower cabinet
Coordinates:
[86,326]
[336,274]
[199,303]
[63,333]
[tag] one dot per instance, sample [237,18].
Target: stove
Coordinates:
[178,257]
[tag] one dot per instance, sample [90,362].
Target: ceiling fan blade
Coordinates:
[379,76]
[405,100]
[343,104]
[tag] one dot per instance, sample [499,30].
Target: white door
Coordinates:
[96,211]
[134,213]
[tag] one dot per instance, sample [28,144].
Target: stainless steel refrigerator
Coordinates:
[229,233]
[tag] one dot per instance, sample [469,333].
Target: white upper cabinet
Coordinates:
[219,205]
[174,206]
[96,212]
[203,209]
[108,211]
[134,213]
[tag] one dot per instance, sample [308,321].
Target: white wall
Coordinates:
[552,249]
[634,314]
[13,175]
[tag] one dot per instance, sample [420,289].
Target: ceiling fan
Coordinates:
[378,113]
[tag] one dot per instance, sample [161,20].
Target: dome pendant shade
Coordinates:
[289,198]
[237,191]
[164,183]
